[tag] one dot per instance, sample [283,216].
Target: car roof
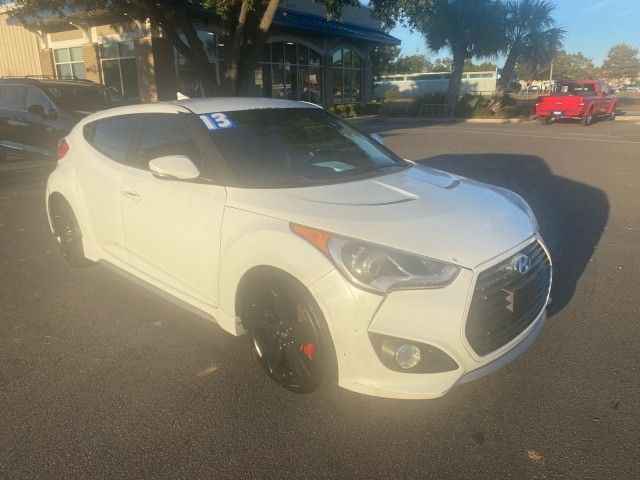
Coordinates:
[198,106]
[230,104]
[48,81]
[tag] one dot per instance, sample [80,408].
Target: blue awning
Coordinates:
[302,22]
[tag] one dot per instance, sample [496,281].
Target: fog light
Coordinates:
[401,356]
[407,356]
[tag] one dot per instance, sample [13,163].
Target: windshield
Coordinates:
[291,147]
[85,98]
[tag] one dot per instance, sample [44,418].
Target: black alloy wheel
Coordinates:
[288,335]
[67,233]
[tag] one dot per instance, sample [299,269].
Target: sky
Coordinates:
[593,26]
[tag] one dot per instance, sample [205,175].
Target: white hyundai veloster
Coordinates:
[340,260]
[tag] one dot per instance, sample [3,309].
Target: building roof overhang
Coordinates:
[285,19]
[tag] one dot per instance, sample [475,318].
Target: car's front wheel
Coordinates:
[586,121]
[288,333]
[67,232]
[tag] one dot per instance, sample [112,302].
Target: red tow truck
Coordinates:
[583,100]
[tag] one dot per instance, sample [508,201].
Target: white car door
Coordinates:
[100,178]
[172,227]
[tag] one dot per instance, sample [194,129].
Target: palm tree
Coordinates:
[531,36]
[469,28]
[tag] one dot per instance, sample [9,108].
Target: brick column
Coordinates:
[145,67]
[92,62]
[46,62]
[165,69]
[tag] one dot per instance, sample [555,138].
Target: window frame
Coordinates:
[287,68]
[69,62]
[350,72]
[119,59]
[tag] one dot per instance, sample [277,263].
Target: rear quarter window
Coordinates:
[113,136]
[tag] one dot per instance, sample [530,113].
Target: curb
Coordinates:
[499,121]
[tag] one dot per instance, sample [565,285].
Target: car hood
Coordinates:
[419,210]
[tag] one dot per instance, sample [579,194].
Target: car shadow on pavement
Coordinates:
[572,215]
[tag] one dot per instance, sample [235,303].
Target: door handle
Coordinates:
[132,196]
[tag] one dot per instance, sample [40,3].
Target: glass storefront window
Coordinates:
[347,77]
[294,72]
[69,63]
[119,68]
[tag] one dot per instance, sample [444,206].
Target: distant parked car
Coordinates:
[37,112]
[629,89]
[578,99]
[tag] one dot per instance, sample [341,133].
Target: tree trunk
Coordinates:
[194,53]
[232,74]
[507,71]
[247,71]
[455,79]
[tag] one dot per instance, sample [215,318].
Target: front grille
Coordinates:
[505,302]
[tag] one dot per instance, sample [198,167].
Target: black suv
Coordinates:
[36,112]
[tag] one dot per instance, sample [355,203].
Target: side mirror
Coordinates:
[377,137]
[37,110]
[176,167]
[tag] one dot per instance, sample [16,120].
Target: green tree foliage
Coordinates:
[565,66]
[411,64]
[246,24]
[467,28]
[531,36]
[442,64]
[469,66]
[382,57]
[621,62]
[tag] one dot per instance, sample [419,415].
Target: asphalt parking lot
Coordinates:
[101,379]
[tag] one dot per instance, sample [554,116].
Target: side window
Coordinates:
[164,134]
[112,137]
[36,97]
[13,97]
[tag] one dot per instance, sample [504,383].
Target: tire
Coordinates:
[545,120]
[288,334]
[67,232]
[612,116]
[586,121]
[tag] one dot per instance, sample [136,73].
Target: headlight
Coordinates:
[377,268]
[518,201]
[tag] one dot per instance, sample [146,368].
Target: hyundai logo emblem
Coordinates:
[521,264]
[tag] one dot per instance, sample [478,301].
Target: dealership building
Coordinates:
[308,57]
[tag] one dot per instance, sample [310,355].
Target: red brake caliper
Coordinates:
[308,349]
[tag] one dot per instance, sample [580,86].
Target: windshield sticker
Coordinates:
[335,166]
[216,121]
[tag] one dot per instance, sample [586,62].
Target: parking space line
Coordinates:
[530,135]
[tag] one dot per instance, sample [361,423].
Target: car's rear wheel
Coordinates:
[612,116]
[545,120]
[288,333]
[67,232]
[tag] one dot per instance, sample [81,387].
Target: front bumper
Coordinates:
[436,317]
